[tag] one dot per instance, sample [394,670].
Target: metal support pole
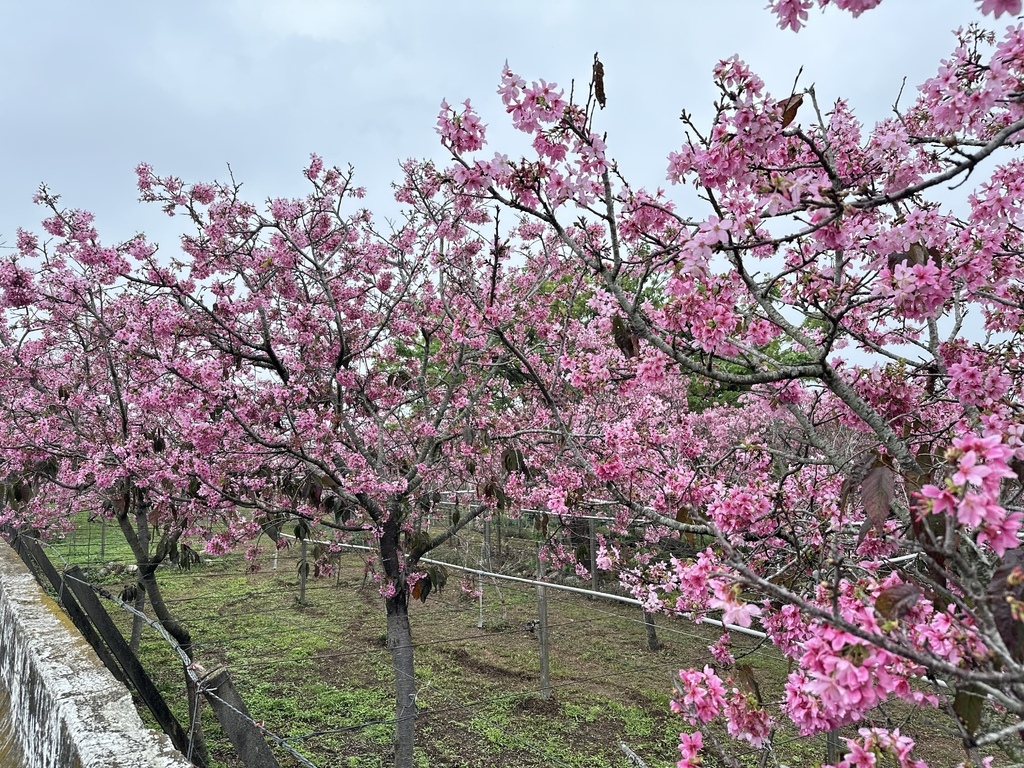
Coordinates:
[593,554]
[303,572]
[542,631]
[487,544]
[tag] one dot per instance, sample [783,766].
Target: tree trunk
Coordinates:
[652,632]
[399,641]
[142,526]
[179,633]
[400,644]
[147,579]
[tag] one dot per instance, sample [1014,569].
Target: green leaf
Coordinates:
[745,677]
[967,705]
[514,460]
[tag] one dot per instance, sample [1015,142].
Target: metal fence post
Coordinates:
[542,631]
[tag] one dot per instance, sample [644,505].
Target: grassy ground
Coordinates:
[319,675]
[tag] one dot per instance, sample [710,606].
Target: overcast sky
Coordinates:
[91,89]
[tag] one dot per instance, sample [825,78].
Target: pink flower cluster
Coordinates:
[973,382]
[792,14]
[692,581]
[689,746]
[532,105]
[971,495]
[747,721]
[840,677]
[739,510]
[866,751]
[699,696]
[460,131]
[918,291]
[704,308]
[734,609]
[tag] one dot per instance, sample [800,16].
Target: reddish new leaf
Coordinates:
[421,589]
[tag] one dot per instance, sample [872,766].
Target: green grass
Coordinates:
[319,674]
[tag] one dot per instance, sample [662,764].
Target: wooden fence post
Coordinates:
[652,632]
[487,545]
[832,747]
[129,663]
[234,718]
[303,571]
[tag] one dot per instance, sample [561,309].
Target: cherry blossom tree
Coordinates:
[862,505]
[87,405]
[351,378]
[800,369]
[292,367]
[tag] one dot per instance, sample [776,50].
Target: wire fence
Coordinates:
[269,641]
[508,622]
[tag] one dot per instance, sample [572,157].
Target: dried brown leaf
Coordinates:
[894,602]
[790,107]
[876,494]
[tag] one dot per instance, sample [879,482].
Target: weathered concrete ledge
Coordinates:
[67,709]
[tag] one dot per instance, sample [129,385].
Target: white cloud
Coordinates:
[346,21]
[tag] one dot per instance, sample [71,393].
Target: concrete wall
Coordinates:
[67,709]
